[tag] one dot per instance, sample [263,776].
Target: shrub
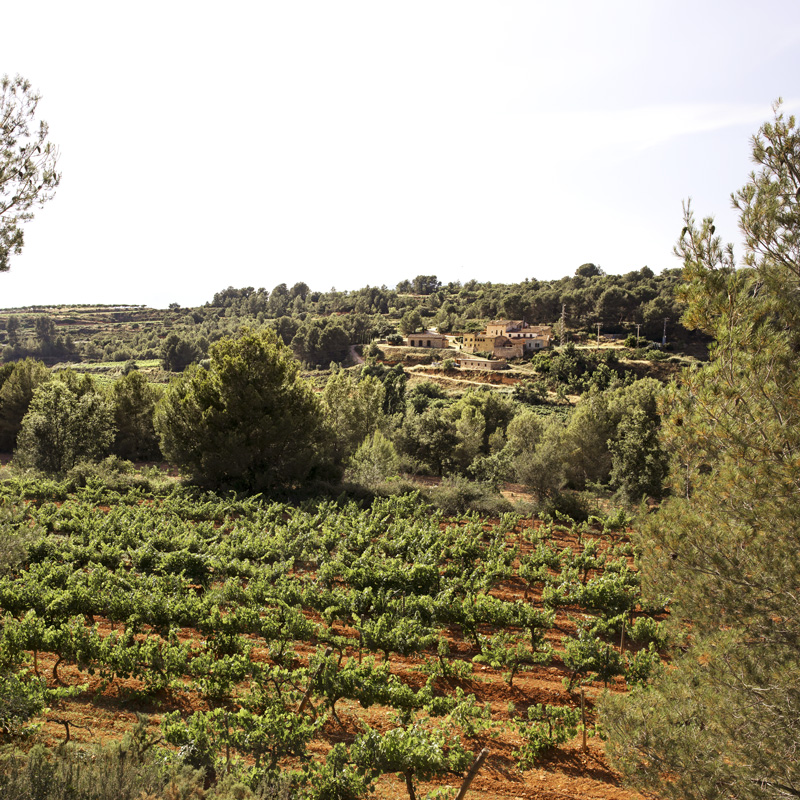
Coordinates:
[545,728]
[458,495]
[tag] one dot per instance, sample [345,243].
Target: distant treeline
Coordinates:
[320,327]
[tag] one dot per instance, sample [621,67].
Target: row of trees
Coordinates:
[53,422]
[588,297]
[246,419]
[249,420]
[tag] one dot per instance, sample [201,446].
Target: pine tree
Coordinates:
[724,720]
[249,421]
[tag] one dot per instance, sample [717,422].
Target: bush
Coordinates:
[546,727]
[20,700]
[372,351]
[457,495]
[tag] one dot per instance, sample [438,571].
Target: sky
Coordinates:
[344,144]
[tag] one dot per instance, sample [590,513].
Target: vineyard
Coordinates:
[331,647]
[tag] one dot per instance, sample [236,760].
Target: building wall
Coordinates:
[427,340]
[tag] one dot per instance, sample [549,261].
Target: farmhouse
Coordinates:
[477,362]
[496,345]
[427,339]
[531,337]
[506,338]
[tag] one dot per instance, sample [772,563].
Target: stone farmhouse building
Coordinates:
[477,362]
[427,339]
[508,339]
[498,346]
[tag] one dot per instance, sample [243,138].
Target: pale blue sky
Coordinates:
[351,143]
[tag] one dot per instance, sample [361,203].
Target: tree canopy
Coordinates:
[725,720]
[28,159]
[68,421]
[247,421]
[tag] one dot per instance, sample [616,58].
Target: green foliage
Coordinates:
[469,715]
[444,665]
[15,534]
[639,462]
[16,394]
[546,727]
[353,409]
[321,342]
[134,402]
[68,421]
[266,737]
[539,464]
[723,721]
[374,461]
[589,658]
[338,778]
[530,392]
[511,654]
[642,665]
[457,495]
[429,438]
[415,753]
[177,353]
[28,176]
[410,322]
[21,698]
[248,421]
[394,385]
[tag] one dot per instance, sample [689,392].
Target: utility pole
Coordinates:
[638,325]
[563,329]
[598,335]
[664,337]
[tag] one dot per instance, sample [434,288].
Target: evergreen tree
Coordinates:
[353,409]
[248,421]
[134,400]
[177,353]
[725,720]
[16,394]
[28,176]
